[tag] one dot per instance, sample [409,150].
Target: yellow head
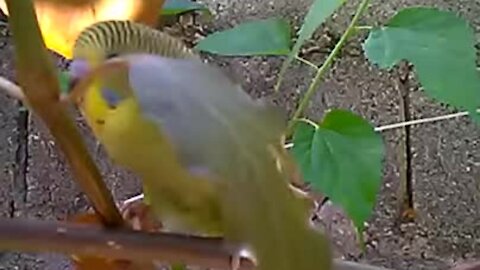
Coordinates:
[108,39]
[99,90]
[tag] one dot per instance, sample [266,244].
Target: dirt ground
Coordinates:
[440,159]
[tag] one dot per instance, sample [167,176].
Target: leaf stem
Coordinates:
[326,65]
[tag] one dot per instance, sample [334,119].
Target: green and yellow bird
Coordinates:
[203,148]
[103,41]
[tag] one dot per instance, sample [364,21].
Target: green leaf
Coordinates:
[342,158]
[262,37]
[441,47]
[175,7]
[317,14]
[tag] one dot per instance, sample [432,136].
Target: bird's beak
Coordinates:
[79,68]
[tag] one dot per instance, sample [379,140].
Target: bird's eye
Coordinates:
[111,97]
[100,121]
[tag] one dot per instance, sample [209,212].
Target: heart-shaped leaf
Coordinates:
[441,47]
[262,37]
[342,158]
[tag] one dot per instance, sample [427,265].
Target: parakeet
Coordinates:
[108,39]
[203,148]
[61,21]
[203,143]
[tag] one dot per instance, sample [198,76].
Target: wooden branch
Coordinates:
[81,239]
[38,80]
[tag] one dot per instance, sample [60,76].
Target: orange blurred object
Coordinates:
[61,21]
[131,211]
[91,262]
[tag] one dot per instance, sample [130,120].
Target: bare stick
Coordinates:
[412,122]
[91,240]
[422,121]
[39,82]
[306,62]
[11,89]
[81,239]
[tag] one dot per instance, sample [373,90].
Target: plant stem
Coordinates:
[326,65]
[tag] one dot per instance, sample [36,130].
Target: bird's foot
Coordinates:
[139,215]
[239,257]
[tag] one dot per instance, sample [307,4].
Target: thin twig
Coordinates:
[364,27]
[28,235]
[422,121]
[93,240]
[306,62]
[326,65]
[11,89]
[412,122]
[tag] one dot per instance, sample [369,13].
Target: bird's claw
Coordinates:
[139,215]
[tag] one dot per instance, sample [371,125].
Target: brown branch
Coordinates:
[39,82]
[88,240]
[81,239]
